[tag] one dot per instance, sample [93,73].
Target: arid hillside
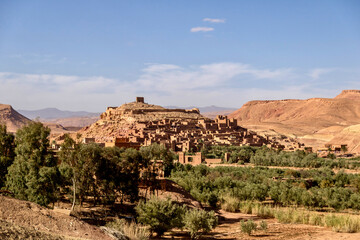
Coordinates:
[27,220]
[349,135]
[213,114]
[119,121]
[11,118]
[315,120]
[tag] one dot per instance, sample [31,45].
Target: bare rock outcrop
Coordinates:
[11,118]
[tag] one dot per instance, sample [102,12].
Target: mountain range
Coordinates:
[54,113]
[314,121]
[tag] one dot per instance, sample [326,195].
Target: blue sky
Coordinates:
[87,55]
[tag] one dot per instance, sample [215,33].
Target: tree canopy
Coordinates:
[34,175]
[7,152]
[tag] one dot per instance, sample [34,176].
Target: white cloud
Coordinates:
[58,82]
[224,84]
[317,72]
[172,78]
[202,29]
[214,20]
[31,91]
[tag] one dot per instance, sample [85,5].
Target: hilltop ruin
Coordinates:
[138,124]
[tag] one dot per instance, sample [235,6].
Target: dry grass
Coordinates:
[338,222]
[132,230]
[230,204]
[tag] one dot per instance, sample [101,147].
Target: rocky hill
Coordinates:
[349,94]
[11,118]
[119,121]
[316,120]
[138,123]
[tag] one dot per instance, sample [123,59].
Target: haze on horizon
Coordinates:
[87,55]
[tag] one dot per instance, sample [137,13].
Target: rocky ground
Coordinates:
[27,220]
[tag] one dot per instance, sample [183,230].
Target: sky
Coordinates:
[87,55]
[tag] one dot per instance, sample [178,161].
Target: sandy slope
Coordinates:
[349,135]
[30,217]
[316,120]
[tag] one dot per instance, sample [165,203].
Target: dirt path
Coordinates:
[229,229]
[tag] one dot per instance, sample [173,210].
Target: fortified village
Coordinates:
[139,124]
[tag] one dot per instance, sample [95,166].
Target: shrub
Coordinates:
[212,200]
[160,215]
[248,227]
[198,222]
[263,225]
[131,230]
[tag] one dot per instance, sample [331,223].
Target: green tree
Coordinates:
[156,152]
[68,157]
[121,171]
[248,227]
[7,153]
[89,157]
[34,175]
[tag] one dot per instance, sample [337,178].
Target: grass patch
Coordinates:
[337,222]
[132,230]
[230,204]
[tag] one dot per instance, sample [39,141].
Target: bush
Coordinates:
[198,222]
[131,230]
[263,225]
[160,215]
[248,227]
